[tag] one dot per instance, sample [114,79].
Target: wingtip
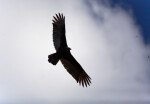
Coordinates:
[84,81]
[58,17]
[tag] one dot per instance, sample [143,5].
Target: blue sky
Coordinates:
[141,11]
[110,42]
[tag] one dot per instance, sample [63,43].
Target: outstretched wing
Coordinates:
[75,69]
[59,37]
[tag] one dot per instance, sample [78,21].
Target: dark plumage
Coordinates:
[63,52]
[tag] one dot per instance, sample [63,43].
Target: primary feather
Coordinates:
[63,52]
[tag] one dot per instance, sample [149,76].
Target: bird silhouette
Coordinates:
[63,52]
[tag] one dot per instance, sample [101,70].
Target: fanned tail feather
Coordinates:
[53,58]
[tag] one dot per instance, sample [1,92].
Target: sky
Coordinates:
[141,12]
[107,38]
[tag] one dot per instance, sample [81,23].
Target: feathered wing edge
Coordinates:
[77,73]
[59,17]
[58,26]
[84,79]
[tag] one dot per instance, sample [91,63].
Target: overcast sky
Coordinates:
[105,40]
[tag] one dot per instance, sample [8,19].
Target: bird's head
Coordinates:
[69,48]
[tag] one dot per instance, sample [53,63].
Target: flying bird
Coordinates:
[63,52]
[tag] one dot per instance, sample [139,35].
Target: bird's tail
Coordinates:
[53,58]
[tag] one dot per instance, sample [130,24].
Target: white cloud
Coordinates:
[109,47]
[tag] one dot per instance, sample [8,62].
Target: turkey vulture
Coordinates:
[63,52]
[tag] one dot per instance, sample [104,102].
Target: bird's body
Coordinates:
[63,52]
